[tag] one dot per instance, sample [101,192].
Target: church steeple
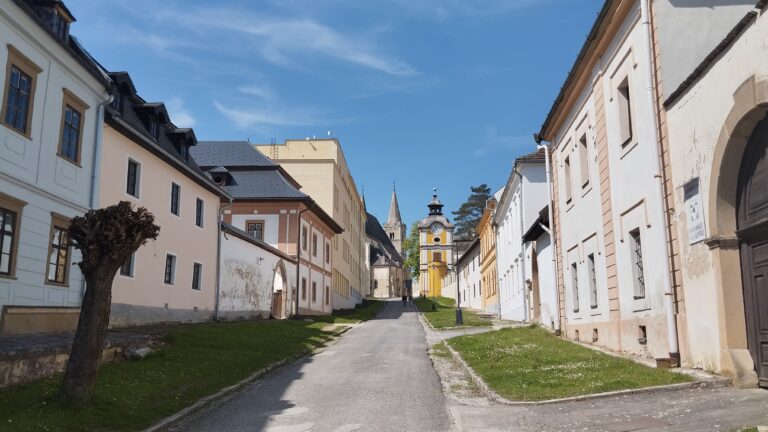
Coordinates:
[435,206]
[395,227]
[394,209]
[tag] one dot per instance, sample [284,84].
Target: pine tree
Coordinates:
[468,215]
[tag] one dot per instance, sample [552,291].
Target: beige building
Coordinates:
[320,167]
[146,160]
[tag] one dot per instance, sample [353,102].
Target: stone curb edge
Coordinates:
[226,391]
[492,395]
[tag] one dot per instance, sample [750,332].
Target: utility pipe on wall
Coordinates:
[548,170]
[661,211]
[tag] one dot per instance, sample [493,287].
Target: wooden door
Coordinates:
[277,304]
[753,237]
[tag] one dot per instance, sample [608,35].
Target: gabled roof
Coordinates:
[262,184]
[374,230]
[230,154]
[237,232]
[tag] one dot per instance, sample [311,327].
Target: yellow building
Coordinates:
[488,279]
[435,249]
[320,167]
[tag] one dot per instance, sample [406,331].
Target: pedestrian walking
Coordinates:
[410,300]
[405,300]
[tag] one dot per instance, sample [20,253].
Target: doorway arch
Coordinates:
[749,108]
[279,288]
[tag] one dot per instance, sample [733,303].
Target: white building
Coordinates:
[469,277]
[540,270]
[51,122]
[519,205]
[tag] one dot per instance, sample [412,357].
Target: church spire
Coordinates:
[394,209]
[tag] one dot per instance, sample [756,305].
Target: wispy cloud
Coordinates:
[180,116]
[269,116]
[444,9]
[261,92]
[493,142]
[289,41]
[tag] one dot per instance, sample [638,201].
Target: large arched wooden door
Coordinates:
[753,237]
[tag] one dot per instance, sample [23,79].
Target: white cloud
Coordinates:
[178,113]
[261,92]
[251,117]
[443,9]
[287,41]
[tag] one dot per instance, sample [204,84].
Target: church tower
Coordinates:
[436,253]
[395,228]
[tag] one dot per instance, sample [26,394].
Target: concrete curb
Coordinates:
[718,382]
[221,394]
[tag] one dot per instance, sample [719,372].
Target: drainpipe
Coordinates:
[650,94]
[219,219]
[97,143]
[548,169]
[96,163]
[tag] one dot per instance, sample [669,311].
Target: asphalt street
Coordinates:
[377,377]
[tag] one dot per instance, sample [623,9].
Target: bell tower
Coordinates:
[395,228]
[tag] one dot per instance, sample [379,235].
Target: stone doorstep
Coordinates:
[701,382]
[177,418]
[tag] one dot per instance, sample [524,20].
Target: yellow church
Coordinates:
[435,249]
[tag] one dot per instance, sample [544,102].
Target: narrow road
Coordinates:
[377,377]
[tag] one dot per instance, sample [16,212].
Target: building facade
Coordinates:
[436,250]
[470,289]
[146,160]
[395,228]
[488,273]
[714,103]
[53,97]
[387,273]
[320,166]
[268,205]
[524,195]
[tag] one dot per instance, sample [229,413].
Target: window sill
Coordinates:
[68,160]
[57,284]
[569,205]
[627,147]
[18,132]
[587,188]
[9,277]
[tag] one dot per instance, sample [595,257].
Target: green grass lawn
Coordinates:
[530,364]
[197,361]
[364,312]
[445,315]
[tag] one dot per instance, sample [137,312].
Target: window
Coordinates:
[568,194]
[256,230]
[592,281]
[584,161]
[154,128]
[625,112]
[19,95]
[304,238]
[199,212]
[314,292]
[170,269]
[197,274]
[575,286]
[636,251]
[8,238]
[391,236]
[314,244]
[127,268]
[175,192]
[303,289]
[328,253]
[327,294]
[117,102]
[58,251]
[437,257]
[132,183]
[71,136]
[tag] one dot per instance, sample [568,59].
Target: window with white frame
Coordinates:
[624,105]
[134,177]
[575,286]
[170,269]
[592,281]
[567,174]
[197,275]
[127,268]
[584,161]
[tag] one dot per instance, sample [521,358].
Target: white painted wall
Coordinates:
[469,280]
[31,171]
[271,224]
[547,288]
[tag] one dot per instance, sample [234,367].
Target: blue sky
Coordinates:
[426,93]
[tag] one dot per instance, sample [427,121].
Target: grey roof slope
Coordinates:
[394,210]
[374,230]
[262,184]
[229,154]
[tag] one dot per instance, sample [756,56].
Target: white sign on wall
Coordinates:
[694,211]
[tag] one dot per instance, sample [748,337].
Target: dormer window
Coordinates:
[56,17]
[117,102]
[154,128]
[59,25]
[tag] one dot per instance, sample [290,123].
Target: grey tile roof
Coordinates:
[374,229]
[261,184]
[228,154]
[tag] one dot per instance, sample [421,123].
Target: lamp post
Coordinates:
[459,316]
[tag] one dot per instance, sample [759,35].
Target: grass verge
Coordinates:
[445,315]
[530,364]
[364,312]
[197,361]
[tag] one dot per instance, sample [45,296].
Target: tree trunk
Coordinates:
[84,359]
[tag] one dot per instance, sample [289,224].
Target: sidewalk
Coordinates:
[709,409]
